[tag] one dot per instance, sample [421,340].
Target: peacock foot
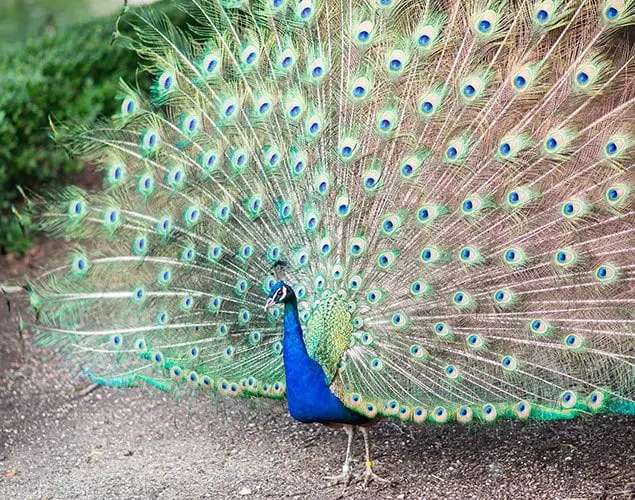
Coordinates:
[370,476]
[343,478]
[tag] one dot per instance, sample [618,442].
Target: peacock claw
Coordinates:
[343,478]
[370,476]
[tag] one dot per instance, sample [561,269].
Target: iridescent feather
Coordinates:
[450,185]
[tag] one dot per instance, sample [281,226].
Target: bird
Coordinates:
[417,210]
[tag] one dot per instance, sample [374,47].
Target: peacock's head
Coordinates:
[280,294]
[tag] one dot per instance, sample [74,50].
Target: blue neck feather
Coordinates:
[308,394]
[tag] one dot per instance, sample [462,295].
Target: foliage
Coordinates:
[70,75]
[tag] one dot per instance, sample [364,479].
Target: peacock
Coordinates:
[420,210]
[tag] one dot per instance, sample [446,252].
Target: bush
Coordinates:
[70,75]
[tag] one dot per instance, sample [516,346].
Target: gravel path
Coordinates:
[56,441]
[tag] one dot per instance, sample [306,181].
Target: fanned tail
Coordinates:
[449,183]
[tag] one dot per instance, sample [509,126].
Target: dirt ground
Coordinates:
[60,440]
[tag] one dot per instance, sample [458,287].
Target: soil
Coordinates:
[60,437]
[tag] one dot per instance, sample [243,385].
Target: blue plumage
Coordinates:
[308,395]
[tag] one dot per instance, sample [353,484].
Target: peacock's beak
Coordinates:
[270,302]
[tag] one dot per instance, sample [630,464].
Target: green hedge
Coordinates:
[70,75]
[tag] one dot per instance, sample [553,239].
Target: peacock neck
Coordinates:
[301,371]
[293,342]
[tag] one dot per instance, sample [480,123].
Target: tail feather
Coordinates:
[451,181]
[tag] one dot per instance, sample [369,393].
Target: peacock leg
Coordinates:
[369,475]
[345,476]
